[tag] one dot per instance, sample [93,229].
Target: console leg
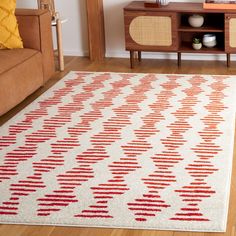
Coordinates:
[179,59]
[228,59]
[131,59]
[139,56]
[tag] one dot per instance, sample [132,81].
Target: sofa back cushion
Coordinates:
[9,33]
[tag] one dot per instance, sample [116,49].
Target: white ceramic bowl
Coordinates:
[209,37]
[209,40]
[210,44]
[196,20]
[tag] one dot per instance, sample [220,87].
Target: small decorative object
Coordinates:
[209,40]
[164,2]
[196,20]
[219,4]
[152,3]
[156,3]
[197,44]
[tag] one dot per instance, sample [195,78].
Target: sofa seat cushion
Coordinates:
[21,73]
[11,58]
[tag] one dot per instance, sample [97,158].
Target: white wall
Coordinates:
[114,27]
[75,36]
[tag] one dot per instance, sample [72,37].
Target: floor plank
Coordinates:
[37,231]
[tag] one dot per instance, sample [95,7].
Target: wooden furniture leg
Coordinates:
[228,59]
[139,56]
[179,59]
[59,45]
[131,59]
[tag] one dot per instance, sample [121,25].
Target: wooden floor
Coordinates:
[122,65]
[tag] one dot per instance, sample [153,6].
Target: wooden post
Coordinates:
[47,4]
[96,29]
[59,44]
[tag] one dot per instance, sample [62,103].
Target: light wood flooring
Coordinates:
[122,65]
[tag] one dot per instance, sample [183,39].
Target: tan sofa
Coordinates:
[22,71]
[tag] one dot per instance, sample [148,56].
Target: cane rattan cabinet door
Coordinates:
[230,33]
[150,31]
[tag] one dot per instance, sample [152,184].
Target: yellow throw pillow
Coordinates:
[9,33]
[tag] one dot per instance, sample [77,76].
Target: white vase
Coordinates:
[164,2]
[209,40]
[196,20]
[197,46]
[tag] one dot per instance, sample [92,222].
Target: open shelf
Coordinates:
[187,47]
[210,29]
[213,23]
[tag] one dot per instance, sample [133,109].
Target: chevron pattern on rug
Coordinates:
[148,151]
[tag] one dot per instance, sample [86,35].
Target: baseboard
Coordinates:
[77,53]
[173,56]
[157,55]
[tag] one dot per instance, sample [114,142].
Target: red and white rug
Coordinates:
[144,151]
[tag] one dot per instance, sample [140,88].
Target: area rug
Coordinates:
[140,151]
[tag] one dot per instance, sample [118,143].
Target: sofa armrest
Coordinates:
[36,33]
